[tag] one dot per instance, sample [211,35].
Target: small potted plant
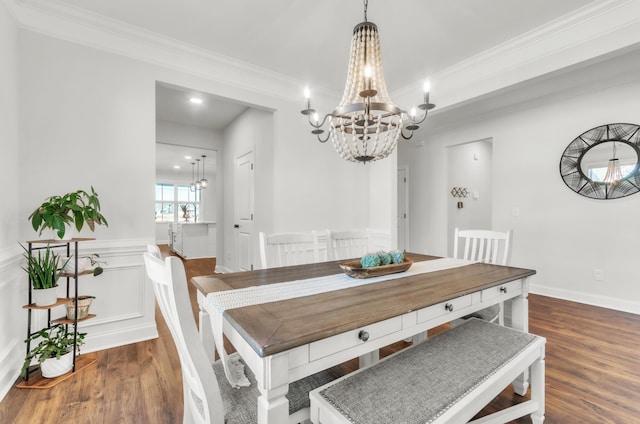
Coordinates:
[76,208]
[54,352]
[84,302]
[90,262]
[44,270]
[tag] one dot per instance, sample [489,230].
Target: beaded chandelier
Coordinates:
[366,125]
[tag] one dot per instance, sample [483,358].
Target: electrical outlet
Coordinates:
[598,275]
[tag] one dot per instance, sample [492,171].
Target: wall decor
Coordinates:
[604,162]
[460,193]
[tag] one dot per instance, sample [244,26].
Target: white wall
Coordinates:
[251,131]
[13,288]
[562,235]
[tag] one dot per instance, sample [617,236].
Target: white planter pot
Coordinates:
[45,297]
[70,268]
[53,367]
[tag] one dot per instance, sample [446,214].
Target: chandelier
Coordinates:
[366,125]
[614,173]
[197,182]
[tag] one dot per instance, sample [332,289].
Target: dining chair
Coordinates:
[154,250]
[492,247]
[285,249]
[208,396]
[347,244]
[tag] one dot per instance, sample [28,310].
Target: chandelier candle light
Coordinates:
[366,125]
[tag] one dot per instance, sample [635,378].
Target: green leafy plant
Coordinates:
[77,208]
[43,269]
[54,343]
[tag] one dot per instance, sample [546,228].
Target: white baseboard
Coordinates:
[121,337]
[587,298]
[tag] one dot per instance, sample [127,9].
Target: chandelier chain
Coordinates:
[366,5]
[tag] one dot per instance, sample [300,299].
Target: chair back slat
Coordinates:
[202,399]
[492,247]
[286,249]
[347,244]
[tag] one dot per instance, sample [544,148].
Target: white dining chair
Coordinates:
[347,244]
[208,396]
[154,250]
[492,247]
[286,249]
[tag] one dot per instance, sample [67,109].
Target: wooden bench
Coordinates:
[447,379]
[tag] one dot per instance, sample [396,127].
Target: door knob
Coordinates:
[236,226]
[363,335]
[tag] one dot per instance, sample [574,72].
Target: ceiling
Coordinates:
[216,113]
[309,40]
[168,156]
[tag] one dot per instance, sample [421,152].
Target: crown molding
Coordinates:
[89,29]
[597,29]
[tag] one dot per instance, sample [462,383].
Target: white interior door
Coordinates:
[244,186]
[402,221]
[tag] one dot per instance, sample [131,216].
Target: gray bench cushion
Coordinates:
[420,383]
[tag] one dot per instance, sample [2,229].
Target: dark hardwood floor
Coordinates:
[592,373]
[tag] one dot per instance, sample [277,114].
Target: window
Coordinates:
[176,203]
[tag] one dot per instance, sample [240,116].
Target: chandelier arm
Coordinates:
[318,124]
[325,139]
[405,136]
[413,119]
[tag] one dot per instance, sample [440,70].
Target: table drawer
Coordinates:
[443,308]
[350,339]
[503,291]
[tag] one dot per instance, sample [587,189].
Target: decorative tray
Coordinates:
[354,269]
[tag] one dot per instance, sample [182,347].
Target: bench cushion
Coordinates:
[420,383]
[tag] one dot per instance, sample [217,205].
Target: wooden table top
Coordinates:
[278,326]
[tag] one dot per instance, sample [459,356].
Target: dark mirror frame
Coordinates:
[570,162]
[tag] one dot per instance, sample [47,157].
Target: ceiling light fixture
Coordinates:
[203,181]
[195,101]
[366,125]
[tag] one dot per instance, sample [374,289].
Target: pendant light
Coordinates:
[203,182]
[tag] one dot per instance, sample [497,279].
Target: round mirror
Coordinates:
[604,162]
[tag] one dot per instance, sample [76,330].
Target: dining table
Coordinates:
[290,322]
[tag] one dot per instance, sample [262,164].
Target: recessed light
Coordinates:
[176,166]
[196,100]
[187,157]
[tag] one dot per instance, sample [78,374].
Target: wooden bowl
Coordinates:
[354,269]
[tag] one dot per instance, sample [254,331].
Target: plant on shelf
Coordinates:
[55,343]
[75,208]
[44,271]
[92,262]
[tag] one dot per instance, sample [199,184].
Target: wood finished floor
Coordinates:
[592,374]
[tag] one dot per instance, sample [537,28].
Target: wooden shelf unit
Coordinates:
[79,362]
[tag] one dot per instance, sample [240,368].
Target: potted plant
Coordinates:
[54,352]
[77,208]
[44,271]
[85,263]
[84,302]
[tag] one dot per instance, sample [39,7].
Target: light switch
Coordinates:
[476,194]
[515,211]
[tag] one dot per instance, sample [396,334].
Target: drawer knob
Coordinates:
[503,289]
[449,307]
[363,335]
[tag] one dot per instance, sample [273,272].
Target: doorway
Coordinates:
[469,168]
